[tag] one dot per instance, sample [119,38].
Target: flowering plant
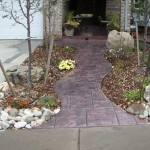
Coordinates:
[17,102]
[67,64]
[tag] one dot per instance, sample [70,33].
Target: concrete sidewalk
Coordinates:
[102,138]
[14,52]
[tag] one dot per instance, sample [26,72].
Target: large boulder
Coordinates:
[119,41]
[147,93]
[18,74]
[4,87]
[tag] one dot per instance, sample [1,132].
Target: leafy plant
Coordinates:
[113,22]
[67,48]
[70,22]
[140,80]
[119,64]
[132,95]
[67,64]
[48,101]
[17,102]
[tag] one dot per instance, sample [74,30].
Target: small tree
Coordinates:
[25,11]
[49,21]
[142,8]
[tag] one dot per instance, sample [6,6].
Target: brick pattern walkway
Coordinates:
[83,102]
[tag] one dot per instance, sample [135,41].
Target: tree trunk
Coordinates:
[29,48]
[51,42]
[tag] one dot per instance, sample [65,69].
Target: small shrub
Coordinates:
[17,102]
[140,80]
[48,101]
[119,64]
[132,95]
[67,49]
[67,64]
[144,57]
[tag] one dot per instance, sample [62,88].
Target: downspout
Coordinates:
[126,15]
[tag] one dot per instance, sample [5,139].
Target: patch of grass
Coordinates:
[132,95]
[140,80]
[119,64]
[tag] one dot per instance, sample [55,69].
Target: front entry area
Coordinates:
[91,12]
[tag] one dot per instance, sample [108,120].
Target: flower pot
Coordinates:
[69,32]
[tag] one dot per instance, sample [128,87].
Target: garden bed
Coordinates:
[122,85]
[24,112]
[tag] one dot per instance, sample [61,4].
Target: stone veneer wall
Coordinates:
[122,17]
[59,17]
[118,7]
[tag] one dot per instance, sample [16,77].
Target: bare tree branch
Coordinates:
[19,1]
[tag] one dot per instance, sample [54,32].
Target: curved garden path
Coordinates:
[83,102]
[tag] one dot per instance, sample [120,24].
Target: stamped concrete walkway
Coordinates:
[83,102]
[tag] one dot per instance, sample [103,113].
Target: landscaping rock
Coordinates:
[18,74]
[116,39]
[20,124]
[40,121]
[28,112]
[1,128]
[1,110]
[37,113]
[13,112]
[4,116]
[147,93]
[18,118]
[144,114]
[29,119]
[46,115]
[56,111]
[24,118]
[11,122]
[135,108]
[4,86]
[21,114]
[33,124]
[7,109]
[5,125]
[28,126]
[1,95]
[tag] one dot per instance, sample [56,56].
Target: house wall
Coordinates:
[122,16]
[59,13]
[116,6]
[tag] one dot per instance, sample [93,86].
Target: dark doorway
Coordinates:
[95,7]
[91,11]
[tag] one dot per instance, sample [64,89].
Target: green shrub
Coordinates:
[132,95]
[68,49]
[140,80]
[48,101]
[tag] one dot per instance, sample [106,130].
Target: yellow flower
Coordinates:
[67,64]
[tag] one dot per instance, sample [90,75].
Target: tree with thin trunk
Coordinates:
[49,21]
[142,8]
[23,14]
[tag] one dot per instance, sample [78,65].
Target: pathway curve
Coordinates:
[83,102]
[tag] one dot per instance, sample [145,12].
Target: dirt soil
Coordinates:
[39,59]
[122,78]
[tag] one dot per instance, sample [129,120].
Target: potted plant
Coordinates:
[113,22]
[70,24]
